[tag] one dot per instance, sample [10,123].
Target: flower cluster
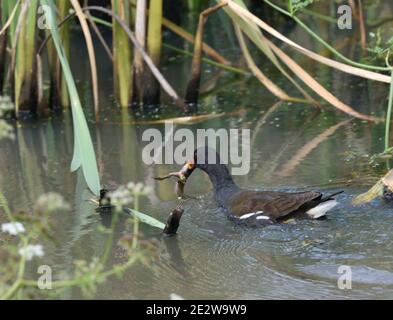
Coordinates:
[13,228]
[139,188]
[124,195]
[90,271]
[50,202]
[30,251]
[6,131]
[6,105]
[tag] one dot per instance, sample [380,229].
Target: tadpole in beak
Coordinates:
[182,176]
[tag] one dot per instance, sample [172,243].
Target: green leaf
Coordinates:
[84,155]
[298,5]
[146,219]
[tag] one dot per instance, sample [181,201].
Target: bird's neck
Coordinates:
[223,184]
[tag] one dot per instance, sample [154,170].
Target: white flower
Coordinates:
[121,197]
[6,105]
[139,188]
[50,202]
[124,195]
[30,251]
[6,131]
[13,228]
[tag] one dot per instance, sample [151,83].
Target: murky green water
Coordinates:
[293,147]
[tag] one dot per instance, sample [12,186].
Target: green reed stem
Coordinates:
[186,53]
[320,15]
[87,278]
[122,54]
[323,42]
[154,34]
[389,114]
[18,282]
[135,230]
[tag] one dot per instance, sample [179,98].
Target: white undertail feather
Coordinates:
[321,209]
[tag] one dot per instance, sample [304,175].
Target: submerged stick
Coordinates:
[173,221]
[194,82]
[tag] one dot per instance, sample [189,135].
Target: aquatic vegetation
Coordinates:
[6,107]
[297,5]
[26,246]
[148,24]
[30,251]
[6,131]
[84,155]
[51,202]
[13,228]
[151,95]
[122,63]
[126,194]
[123,196]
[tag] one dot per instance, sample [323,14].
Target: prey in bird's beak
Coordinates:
[182,176]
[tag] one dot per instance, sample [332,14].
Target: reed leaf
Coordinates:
[8,15]
[323,42]
[255,35]
[190,38]
[329,62]
[277,91]
[317,87]
[58,96]
[145,218]
[84,155]
[91,52]
[375,191]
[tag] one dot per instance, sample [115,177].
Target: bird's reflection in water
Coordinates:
[175,257]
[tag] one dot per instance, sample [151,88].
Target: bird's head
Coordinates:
[205,157]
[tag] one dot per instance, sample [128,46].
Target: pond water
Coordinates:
[294,147]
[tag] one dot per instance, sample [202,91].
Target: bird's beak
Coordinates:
[187,169]
[190,165]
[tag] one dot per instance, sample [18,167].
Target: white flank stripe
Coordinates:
[247,215]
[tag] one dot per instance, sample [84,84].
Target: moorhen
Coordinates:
[258,208]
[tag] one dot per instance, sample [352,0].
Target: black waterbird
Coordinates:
[258,208]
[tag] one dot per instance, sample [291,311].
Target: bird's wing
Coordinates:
[272,204]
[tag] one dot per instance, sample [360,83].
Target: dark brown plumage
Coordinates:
[255,208]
